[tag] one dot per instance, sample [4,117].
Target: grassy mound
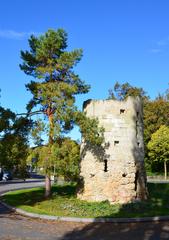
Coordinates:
[64,203]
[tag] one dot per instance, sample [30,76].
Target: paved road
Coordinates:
[18,184]
[16,227]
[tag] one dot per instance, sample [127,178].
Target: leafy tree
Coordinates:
[13,152]
[122,91]
[66,157]
[156,113]
[159,146]
[55,87]
[13,141]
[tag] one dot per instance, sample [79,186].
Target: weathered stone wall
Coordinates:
[115,171]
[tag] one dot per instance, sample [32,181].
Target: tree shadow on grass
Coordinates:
[30,197]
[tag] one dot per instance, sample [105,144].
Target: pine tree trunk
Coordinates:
[47,186]
[51,129]
[165,169]
[47,177]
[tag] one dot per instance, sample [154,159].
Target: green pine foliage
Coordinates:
[56,82]
[52,66]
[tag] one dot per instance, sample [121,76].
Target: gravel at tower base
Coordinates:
[114,171]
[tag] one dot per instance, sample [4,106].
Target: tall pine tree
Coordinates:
[55,87]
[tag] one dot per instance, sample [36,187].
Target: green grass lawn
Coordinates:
[64,203]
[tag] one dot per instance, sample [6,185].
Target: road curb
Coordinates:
[85,220]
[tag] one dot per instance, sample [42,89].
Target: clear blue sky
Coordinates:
[123,40]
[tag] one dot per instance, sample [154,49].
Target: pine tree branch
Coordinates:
[31,113]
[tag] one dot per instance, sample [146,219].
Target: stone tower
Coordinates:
[115,171]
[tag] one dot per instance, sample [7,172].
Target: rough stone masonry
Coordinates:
[115,171]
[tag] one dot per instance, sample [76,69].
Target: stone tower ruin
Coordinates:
[115,171]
